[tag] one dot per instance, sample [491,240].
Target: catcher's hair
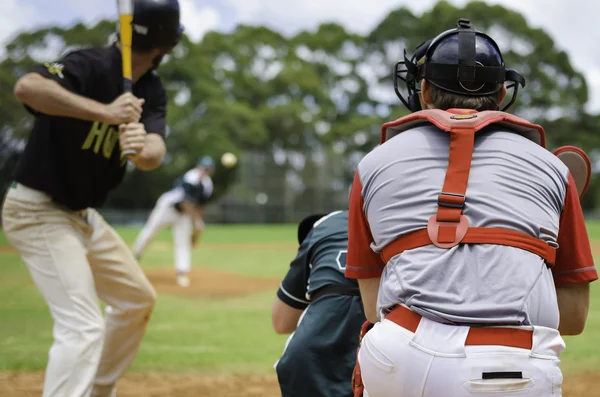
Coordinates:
[445,100]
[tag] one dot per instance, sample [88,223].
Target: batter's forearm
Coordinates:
[48,97]
[152,155]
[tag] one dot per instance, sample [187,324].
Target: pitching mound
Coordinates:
[25,384]
[6,249]
[226,385]
[209,283]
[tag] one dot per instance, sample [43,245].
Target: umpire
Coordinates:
[71,162]
[323,311]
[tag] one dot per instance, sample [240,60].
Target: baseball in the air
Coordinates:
[228,160]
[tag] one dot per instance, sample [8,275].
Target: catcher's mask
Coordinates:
[306,225]
[462,61]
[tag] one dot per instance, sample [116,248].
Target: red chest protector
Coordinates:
[449,227]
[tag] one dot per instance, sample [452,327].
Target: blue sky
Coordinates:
[572,23]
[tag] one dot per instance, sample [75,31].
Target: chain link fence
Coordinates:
[279,188]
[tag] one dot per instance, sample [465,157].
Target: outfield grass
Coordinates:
[207,335]
[185,334]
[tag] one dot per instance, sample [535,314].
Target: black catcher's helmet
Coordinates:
[156,25]
[462,61]
[306,225]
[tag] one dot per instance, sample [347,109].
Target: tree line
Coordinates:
[323,90]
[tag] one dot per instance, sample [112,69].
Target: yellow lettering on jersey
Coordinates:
[97,132]
[110,142]
[55,69]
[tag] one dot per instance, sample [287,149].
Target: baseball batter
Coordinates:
[72,160]
[466,236]
[181,208]
[321,353]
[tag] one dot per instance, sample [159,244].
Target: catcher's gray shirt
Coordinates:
[514,183]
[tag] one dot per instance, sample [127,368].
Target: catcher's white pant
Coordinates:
[435,362]
[74,258]
[165,215]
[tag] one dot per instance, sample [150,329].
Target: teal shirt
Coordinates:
[321,261]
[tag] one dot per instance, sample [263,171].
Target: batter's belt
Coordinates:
[27,194]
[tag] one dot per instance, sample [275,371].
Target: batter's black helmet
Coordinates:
[462,61]
[306,225]
[156,25]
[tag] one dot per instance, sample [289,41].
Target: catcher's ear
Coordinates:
[579,165]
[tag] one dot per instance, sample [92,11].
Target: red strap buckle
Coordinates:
[447,234]
[451,200]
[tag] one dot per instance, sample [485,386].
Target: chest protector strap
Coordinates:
[448,227]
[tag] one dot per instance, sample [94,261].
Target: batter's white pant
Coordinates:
[434,362]
[165,215]
[75,258]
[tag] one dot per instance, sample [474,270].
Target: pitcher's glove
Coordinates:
[195,235]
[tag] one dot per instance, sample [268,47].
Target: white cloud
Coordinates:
[290,16]
[22,15]
[14,17]
[572,24]
[51,48]
[198,20]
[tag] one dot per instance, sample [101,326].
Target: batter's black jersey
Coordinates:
[321,261]
[78,162]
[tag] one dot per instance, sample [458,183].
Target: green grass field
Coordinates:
[207,335]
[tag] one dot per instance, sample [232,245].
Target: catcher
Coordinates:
[466,236]
[322,309]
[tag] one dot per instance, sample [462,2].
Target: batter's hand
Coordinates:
[125,109]
[132,136]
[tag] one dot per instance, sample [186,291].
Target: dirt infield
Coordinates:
[224,385]
[19,384]
[6,249]
[209,283]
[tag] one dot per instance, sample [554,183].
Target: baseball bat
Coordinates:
[125,8]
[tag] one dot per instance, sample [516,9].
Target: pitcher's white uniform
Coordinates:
[167,214]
